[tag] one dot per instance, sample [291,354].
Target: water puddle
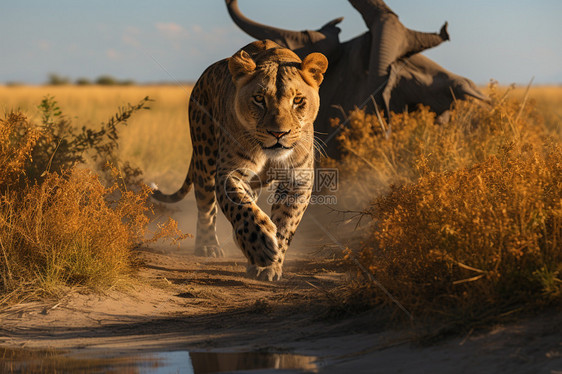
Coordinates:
[42,361]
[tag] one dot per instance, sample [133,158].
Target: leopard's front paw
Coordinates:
[271,273]
[209,251]
[258,242]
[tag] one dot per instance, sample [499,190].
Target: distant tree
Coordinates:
[106,80]
[14,83]
[127,82]
[57,80]
[83,82]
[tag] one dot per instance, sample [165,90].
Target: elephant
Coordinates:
[382,67]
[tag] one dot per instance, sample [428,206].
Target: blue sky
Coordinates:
[149,41]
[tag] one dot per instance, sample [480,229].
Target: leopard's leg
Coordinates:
[291,199]
[204,163]
[254,231]
[206,241]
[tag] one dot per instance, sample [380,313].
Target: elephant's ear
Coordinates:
[241,65]
[313,68]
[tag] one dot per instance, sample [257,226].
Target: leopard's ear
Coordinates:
[313,68]
[240,65]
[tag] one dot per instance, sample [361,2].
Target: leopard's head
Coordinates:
[277,96]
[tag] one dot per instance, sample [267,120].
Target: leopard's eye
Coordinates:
[259,99]
[298,100]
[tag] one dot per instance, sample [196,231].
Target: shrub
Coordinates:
[61,145]
[475,238]
[416,142]
[467,215]
[64,231]
[17,141]
[60,225]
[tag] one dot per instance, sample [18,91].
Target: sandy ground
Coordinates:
[197,304]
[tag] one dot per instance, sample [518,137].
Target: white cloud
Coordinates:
[112,54]
[130,40]
[171,30]
[197,29]
[131,36]
[131,30]
[44,45]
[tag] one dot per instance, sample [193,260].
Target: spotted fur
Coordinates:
[250,114]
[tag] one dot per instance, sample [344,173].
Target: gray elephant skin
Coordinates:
[382,65]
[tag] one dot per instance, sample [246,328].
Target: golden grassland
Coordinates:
[466,216]
[547,100]
[157,140]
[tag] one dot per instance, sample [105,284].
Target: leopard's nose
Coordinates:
[278,134]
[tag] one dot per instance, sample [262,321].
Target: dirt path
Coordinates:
[205,303]
[198,304]
[182,302]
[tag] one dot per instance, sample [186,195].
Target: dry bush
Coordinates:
[17,140]
[72,230]
[68,227]
[470,239]
[547,100]
[377,155]
[62,145]
[65,232]
[467,215]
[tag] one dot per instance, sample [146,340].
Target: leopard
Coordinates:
[251,114]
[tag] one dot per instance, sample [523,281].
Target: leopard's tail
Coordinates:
[179,194]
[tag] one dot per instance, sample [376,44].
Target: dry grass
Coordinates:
[372,161]
[548,102]
[474,239]
[64,232]
[62,226]
[467,216]
[17,140]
